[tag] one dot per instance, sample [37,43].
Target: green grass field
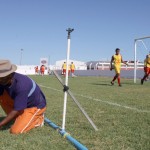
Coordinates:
[122,115]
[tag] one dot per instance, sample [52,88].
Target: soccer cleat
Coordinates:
[112,83]
[142,81]
[120,85]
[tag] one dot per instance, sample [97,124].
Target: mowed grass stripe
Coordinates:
[103,101]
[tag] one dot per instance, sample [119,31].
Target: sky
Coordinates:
[34,29]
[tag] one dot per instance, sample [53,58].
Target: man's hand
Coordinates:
[9,117]
[111,67]
[1,127]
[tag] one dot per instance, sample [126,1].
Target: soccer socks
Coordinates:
[119,81]
[115,77]
[145,77]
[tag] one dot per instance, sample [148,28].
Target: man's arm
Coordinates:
[9,117]
[112,59]
[123,61]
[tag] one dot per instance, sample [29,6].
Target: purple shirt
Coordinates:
[25,93]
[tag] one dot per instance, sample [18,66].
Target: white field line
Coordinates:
[50,88]
[115,104]
[99,100]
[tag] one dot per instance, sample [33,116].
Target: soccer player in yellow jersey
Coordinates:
[117,60]
[147,69]
[72,66]
[64,67]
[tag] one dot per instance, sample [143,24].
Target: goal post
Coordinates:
[135,53]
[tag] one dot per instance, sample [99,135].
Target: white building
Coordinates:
[30,69]
[78,64]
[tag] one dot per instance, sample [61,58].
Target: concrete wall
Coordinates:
[27,69]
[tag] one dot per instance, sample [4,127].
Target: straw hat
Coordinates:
[6,68]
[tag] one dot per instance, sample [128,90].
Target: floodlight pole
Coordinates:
[69,30]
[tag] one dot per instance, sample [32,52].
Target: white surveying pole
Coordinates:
[69,30]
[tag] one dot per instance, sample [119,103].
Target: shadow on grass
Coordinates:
[127,83]
[6,127]
[105,84]
[109,84]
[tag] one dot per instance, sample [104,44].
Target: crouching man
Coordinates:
[21,99]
